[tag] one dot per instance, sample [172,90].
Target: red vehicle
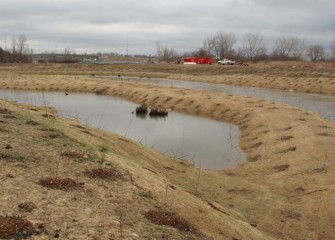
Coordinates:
[197,60]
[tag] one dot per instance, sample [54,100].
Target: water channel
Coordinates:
[324,105]
[204,142]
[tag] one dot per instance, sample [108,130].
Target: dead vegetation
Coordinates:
[162,217]
[66,184]
[13,227]
[281,168]
[72,154]
[104,173]
[158,113]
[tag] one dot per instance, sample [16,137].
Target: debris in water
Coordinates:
[158,113]
[141,109]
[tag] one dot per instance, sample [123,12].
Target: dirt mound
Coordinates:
[169,219]
[65,184]
[17,228]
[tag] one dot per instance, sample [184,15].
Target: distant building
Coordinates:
[197,60]
[63,58]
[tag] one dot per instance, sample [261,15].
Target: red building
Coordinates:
[197,60]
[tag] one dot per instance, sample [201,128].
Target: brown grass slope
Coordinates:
[77,183]
[284,191]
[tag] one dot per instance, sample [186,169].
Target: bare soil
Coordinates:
[285,191]
[169,219]
[17,228]
[103,173]
[65,184]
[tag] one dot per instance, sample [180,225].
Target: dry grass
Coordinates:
[72,202]
[297,76]
[285,191]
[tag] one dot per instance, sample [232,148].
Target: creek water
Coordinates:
[204,142]
[324,105]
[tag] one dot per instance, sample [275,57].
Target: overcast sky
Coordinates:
[105,25]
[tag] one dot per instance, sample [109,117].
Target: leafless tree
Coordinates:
[332,44]
[14,45]
[22,46]
[225,43]
[165,53]
[253,46]
[159,49]
[19,45]
[289,47]
[169,54]
[332,48]
[201,53]
[208,46]
[69,51]
[315,53]
[221,45]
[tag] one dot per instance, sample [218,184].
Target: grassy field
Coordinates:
[285,191]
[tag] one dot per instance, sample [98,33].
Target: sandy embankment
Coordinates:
[290,152]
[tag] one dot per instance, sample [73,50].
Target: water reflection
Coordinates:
[209,143]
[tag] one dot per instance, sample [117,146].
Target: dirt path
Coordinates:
[288,183]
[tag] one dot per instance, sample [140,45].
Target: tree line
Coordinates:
[19,51]
[253,47]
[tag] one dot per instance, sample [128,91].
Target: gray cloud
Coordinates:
[104,25]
